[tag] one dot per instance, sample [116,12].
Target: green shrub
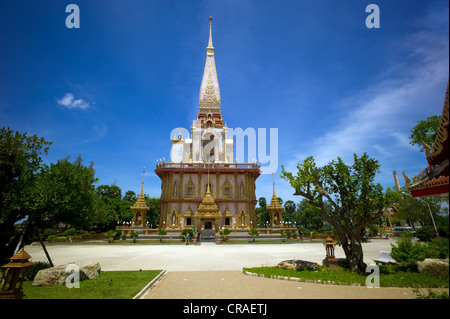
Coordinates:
[51,237]
[437,248]
[161,232]
[49,232]
[69,232]
[407,253]
[253,232]
[225,232]
[33,270]
[425,233]
[134,235]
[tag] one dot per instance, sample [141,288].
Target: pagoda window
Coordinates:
[241,190]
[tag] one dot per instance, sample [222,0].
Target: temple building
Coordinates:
[433,180]
[202,186]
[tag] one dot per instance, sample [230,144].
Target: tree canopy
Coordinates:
[355,199]
[425,130]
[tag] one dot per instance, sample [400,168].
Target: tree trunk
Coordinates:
[45,249]
[357,257]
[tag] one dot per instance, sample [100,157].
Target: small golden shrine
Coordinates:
[275,209]
[15,271]
[330,260]
[140,208]
[208,212]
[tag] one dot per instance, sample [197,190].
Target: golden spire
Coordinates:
[209,98]
[210,44]
[273,181]
[142,187]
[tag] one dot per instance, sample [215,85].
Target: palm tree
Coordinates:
[134,235]
[253,232]
[110,234]
[161,232]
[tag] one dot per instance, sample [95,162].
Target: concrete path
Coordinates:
[207,256]
[236,285]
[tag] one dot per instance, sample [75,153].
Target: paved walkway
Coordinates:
[234,284]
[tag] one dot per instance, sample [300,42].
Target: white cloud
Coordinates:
[380,117]
[68,101]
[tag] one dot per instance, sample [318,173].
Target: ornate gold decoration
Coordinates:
[407,179]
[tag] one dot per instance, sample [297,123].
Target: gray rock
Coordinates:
[57,275]
[297,264]
[438,267]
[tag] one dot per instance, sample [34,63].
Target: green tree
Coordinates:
[425,130]
[161,232]
[20,161]
[152,216]
[66,193]
[262,202]
[134,235]
[112,208]
[307,215]
[225,232]
[355,199]
[130,196]
[289,208]
[253,232]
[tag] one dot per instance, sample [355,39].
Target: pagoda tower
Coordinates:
[201,176]
[275,209]
[140,208]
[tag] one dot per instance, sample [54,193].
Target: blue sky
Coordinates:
[114,89]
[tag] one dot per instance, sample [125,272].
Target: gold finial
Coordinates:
[142,187]
[210,44]
[273,180]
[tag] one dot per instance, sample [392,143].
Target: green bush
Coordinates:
[51,237]
[424,233]
[437,248]
[225,232]
[253,232]
[407,253]
[134,235]
[33,270]
[69,232]
[49,232]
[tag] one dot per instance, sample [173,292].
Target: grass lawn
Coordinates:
[124,285]
[345,277]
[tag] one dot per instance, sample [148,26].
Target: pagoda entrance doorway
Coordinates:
[208,225]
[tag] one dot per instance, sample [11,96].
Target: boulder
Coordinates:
[437,267]
[92,270]
[57,275]
[297,264]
